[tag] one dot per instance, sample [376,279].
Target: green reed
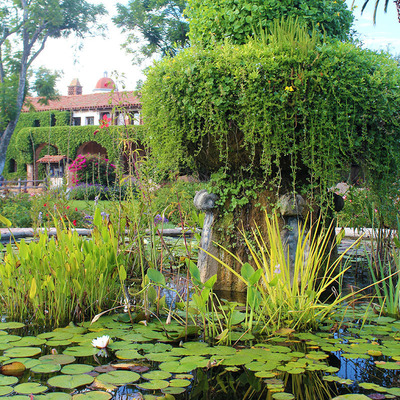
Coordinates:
[58,279]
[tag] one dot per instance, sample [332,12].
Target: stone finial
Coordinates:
[291,205]
[205,201]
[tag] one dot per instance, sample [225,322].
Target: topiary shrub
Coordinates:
[284,113]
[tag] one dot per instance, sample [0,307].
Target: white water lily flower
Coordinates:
[101,342]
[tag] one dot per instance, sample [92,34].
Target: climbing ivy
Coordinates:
[65,138]
[287,110]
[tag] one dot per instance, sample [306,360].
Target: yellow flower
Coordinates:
[289,89]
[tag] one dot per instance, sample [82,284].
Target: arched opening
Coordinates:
[91,148]
[12,166]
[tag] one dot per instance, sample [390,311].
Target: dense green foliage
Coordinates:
[159,24]
[58,279]
[214,21]
[66,139]
[288,109]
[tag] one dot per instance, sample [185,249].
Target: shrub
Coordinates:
[17,208]
[88,191]
[93,169]
[166,199]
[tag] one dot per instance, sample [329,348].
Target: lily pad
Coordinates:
[352,397]
[29,341]
[61,359]
[155,384]
[53,396]
[80,351]
[11,325]
[265,374]
[55,335]
[173,390]
[76,369]
[9,338]
[282,396]
[30,388]
[8,380]
[46,368]
[157,375]
[179,383]
[93,395]
[56,343]
[22,352]
[5,390]
[119,377]
[13,369]
[128,355]
[70,381]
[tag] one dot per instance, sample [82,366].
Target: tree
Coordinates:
[25,27]
[215,20]
[397,2]
[160,23]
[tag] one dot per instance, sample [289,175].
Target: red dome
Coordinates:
[105,83]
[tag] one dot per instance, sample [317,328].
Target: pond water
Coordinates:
[146,362]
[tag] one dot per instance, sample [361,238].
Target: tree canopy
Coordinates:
[213,21]
[25,28]
[160,24]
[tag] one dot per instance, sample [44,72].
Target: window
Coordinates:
[89,120]
[76,121]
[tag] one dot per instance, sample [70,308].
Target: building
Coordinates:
[90,109]
[41,135]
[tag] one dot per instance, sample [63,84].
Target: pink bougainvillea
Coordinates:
[92,168]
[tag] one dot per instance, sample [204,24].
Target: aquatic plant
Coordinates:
[274,299]
[58,279]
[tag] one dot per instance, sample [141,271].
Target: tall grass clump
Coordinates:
[63,278]
[274,299]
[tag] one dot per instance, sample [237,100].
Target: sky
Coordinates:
[104,55]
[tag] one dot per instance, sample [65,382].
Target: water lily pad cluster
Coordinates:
[153,359]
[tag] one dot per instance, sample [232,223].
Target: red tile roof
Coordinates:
[51,159]
[86,102]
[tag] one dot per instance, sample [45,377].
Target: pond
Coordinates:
[153,360]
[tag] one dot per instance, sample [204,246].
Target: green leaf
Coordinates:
[5,221]
[194,273]
[122,273]
[156,276]
[70,381]
[247,271]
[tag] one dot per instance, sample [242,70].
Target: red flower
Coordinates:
[45,204]
[47,215]
[96,131]
[74,222]
[105,122]
[67,207]
[76,209]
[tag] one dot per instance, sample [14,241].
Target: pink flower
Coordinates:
[105,122]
